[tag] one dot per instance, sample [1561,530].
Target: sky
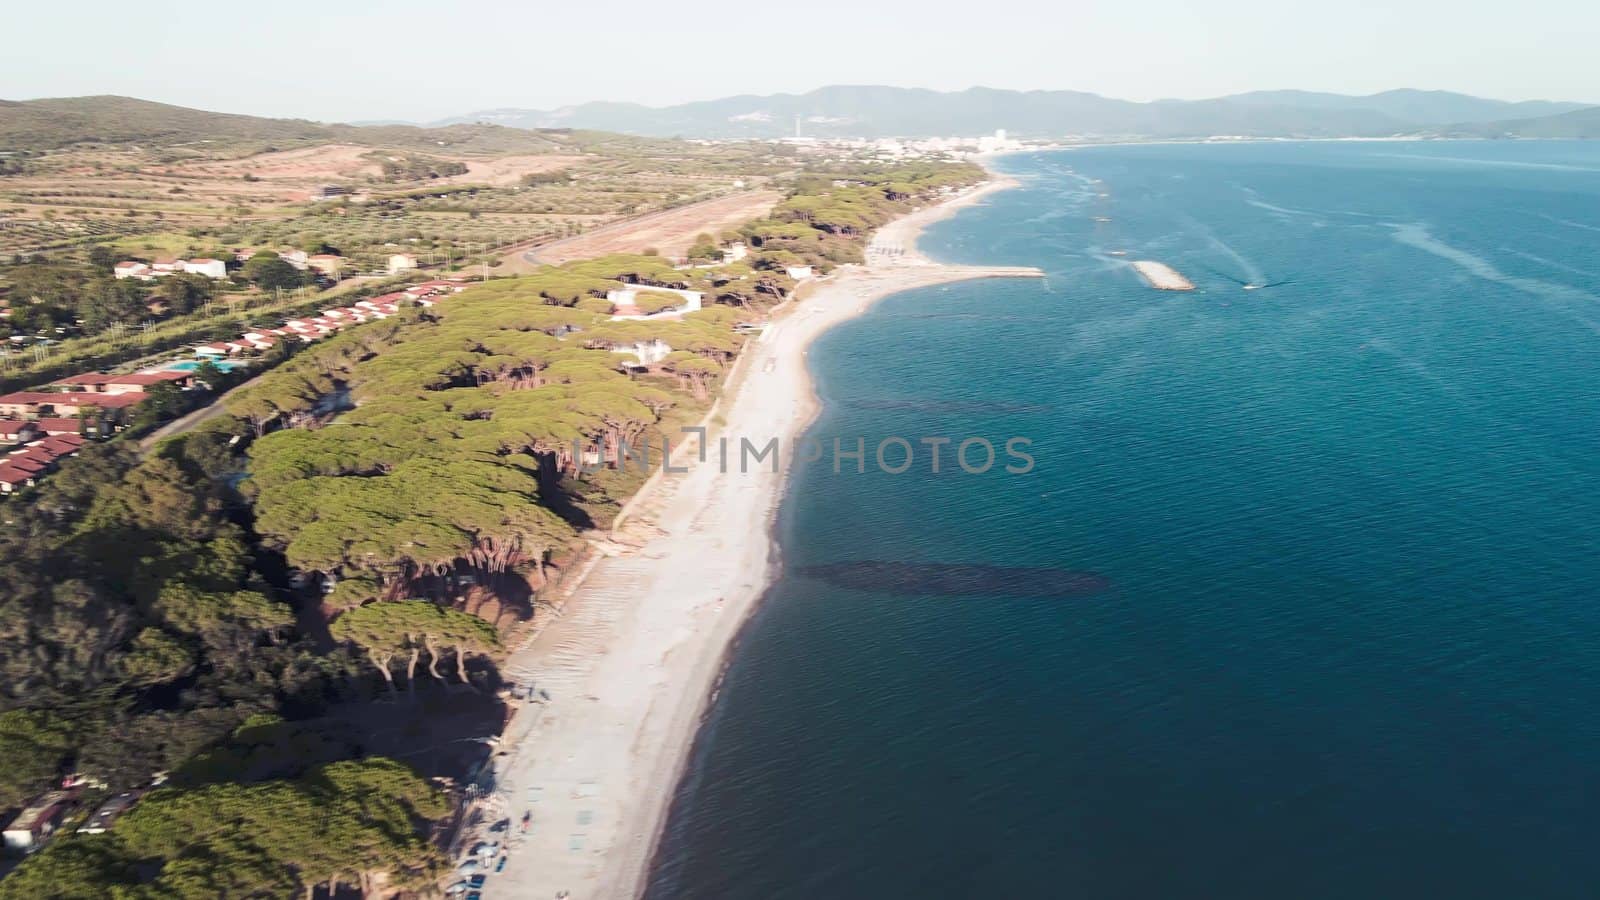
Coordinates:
[414,61]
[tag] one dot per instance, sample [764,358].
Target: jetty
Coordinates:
[1162,277]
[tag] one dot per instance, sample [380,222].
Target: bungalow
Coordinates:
[12,480]
[16,431]
[401,262]
[96,383]
[211,268]
[36,823]
[54,426]
[799,273]
[166,265]
[212,351]
[130,269]
[66,403]
[23,403]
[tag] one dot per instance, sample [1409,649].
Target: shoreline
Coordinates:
[634,662]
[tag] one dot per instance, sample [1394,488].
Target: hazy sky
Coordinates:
[418,61]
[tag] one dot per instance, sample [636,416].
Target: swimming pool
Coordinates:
[189,365]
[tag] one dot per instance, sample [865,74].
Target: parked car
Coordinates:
[477,881]
[500,866]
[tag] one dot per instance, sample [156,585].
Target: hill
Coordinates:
[1418,107]
[875,111]
[1582,124]
[60,122]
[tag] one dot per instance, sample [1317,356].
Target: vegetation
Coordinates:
[60,122]
[417,167]
[431,473]
[355,822]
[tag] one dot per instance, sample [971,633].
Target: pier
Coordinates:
[1162,277]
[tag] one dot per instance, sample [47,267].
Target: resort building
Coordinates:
[97,383]
[401,262]
[38,821]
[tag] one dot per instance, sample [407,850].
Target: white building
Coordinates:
[296,258]
[998,143]
[735,252]
[211,268]
[401,262]
[38,821]
[648,352]
[799,273]
[130,269]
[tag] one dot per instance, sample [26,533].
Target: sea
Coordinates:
[1299,597]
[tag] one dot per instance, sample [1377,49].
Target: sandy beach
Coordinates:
[634,660]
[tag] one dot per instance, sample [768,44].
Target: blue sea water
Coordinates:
[1346,640]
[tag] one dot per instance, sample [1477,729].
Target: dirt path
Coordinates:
[669,231]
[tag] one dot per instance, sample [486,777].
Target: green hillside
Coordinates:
[61,122]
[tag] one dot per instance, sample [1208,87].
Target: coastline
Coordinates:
[632,665]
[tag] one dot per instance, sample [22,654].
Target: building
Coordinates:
[211,268]
[296,258]
[433,288]
[53,426]
[108,812]
[401,262]
[34,825]
[735,252]
[97,383]
[16,431]
[64,404]
[327,264]
[131,269]
[649,352]
[166,265]
[799,273]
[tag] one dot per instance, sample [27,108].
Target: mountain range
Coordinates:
[840,111]
[875,111]
[60,122]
